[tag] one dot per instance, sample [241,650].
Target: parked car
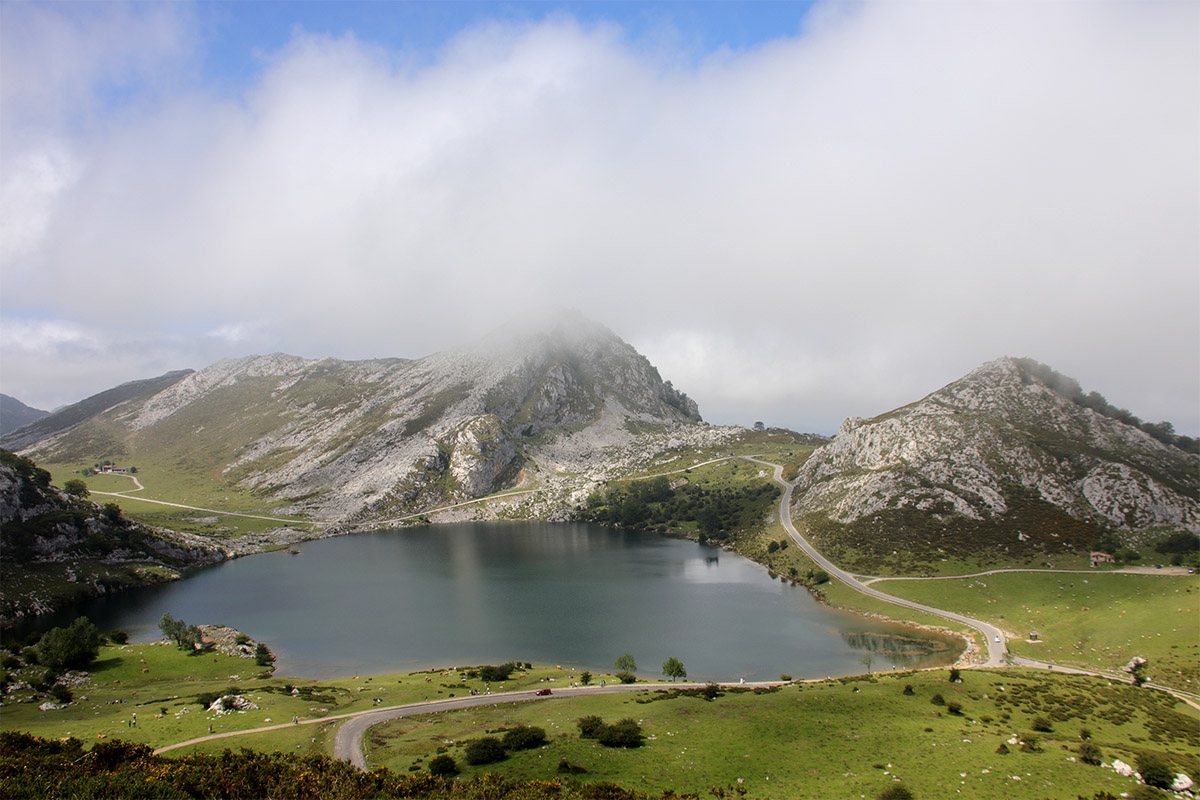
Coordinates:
[543,692]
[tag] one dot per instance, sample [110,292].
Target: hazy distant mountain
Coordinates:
[370,440]
[14,414]
[68,417]
[1001,461]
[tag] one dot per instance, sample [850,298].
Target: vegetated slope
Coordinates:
[56,549]
[997,465]
[372,440]
[67,418]
[14,414]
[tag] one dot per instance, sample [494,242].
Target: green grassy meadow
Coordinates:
[844,738]
[1091,620]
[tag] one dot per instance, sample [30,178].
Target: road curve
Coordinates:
[347,743]
[993,637]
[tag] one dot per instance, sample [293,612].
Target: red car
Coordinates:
[543,692]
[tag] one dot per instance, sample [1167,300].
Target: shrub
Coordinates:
[61,693]
[443,765]
[956,675]
[486,750]
[626,733]
[938,700]
[567,768]
[626,677]
[1155,770]
[524,737]
[585,678]
[589,726]
[908,689]
[1031,745]
[1002,749]
[118,636]
[954,707]
[896,791]
[785,677]
[1089,753]
[1042,724]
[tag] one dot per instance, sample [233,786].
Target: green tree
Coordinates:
[626,663]
[585,678]
[263,656]
[673,668]
[112,512]
[866,659]
[73,647]
[76,488]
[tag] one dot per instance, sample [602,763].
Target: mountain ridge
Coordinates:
[979,447]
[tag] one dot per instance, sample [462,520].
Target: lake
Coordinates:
[575,595]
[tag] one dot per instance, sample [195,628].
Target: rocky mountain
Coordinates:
[367,441]
[1002,461]
[14,414]
[57,548]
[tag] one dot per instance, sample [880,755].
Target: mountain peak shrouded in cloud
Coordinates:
[795,226]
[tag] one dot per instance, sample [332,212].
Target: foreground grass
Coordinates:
[1093,621]
[845,737]
[841,738]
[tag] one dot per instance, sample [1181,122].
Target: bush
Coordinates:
[1155,770]
[567,768]
[443,765]
[956,675]
[1089,753]
[118,636]
[487,750]
[908,690]
[1042,725]
[954,707]
[897,791]
[626,677]
[589,726]
[524,737]
[61,694]
[626,733]
[938,700]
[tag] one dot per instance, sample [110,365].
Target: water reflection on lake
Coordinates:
[570,594]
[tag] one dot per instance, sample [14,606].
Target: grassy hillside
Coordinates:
[841,738]
[1093,620]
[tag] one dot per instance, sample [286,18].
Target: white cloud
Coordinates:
[831,224]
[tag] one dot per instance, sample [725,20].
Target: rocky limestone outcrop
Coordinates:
[961,450]
[371,441]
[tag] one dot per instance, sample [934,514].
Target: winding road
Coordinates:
[992,636]
[349,737]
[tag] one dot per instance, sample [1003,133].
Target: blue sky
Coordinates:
[797,211]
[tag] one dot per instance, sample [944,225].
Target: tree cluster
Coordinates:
[1069,388]
[654,504]
[186,637]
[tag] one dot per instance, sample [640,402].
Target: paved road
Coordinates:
[347,744]
[993,637]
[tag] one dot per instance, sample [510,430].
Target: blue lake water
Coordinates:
[570,594]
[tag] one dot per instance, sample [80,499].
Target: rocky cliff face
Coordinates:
[56,549]
[999,445]
[372,440]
